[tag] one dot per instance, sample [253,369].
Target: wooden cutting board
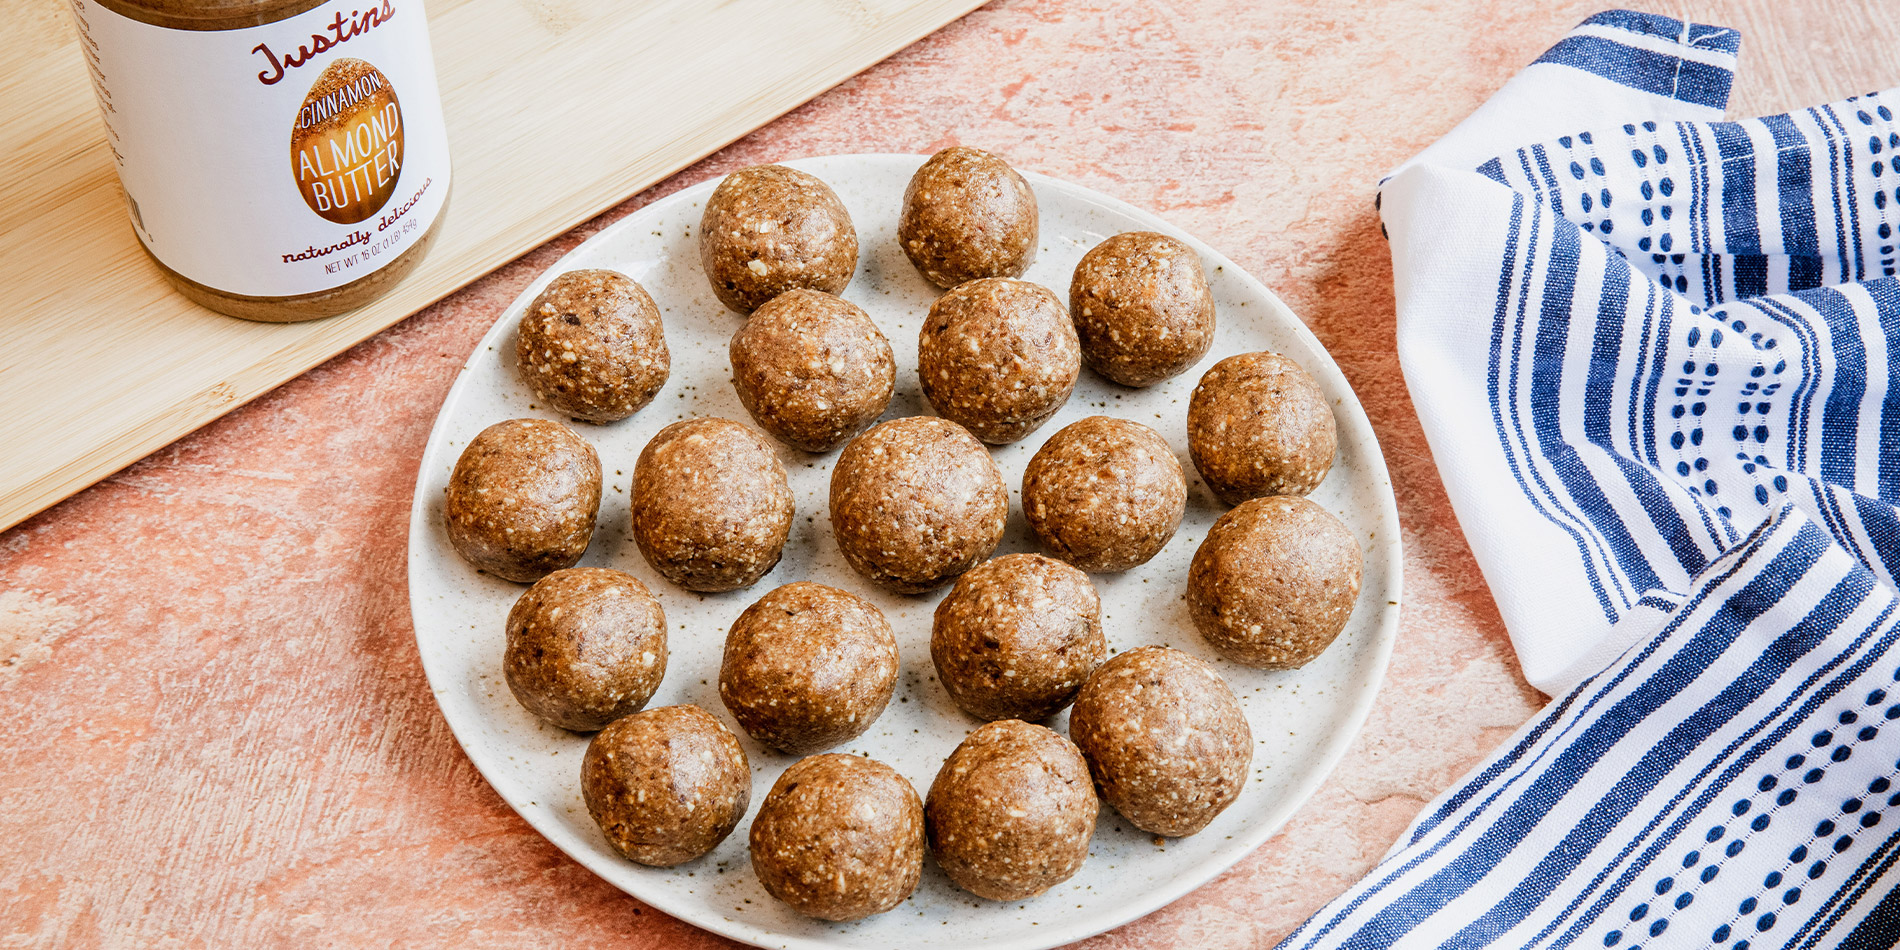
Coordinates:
[557,110]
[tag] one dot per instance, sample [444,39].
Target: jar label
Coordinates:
[276,160]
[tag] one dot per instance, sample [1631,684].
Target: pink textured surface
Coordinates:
[219,731]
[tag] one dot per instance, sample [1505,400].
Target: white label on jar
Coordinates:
[276,160]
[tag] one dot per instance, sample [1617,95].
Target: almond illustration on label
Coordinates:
[346,145]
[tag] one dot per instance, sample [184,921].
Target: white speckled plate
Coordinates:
[1302,720]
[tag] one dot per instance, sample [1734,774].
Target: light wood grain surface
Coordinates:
[557,110]
[218,729]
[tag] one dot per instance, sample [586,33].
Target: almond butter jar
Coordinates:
[282,160]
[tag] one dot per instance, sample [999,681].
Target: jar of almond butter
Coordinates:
[282,160]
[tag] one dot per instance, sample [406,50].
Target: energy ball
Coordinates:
[1104,494]
[1017,636]
[968,215]
[523,498]
[1257,426]
[839,837]
[769,229]
[1011,812]
[1274,582]
[808,667]
[591,346]
[812,369]
[711,509]
[1142,308]
[915,502]
[998,357]
[586,646]
[1164,738]
[666,785]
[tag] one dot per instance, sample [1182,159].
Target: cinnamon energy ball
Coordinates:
[808,667]
[1011,812]
[1258,425]
[591,346]
[586,646]
[1164,738]
[839,837]
[812,369]
[1274,582]
[915,502]
[666,785]
[1142,308]
[1104,494]
[1017,636]
[523,498]
[769,229]
[968,215]
[998,357]
[711,508]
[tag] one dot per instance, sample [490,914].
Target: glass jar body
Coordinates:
[281,160]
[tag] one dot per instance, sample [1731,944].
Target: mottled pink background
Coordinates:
[219,733]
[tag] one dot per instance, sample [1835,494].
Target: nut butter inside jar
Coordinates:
[314,175]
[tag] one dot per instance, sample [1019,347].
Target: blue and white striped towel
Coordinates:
[1657,357]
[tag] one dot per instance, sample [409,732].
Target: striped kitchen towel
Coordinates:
[1657,357]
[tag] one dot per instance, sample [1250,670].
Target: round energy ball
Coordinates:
[968,215]
[998,357]
[915,502]
[1011,812]
[522,499]
[1017,636]
[769,229]
[666,785]
[1142,308]
[591,346]
[1274,582]
[1164,738]
[1104,494]
[711,508]
[808,667]
[839,837]
[1258,425]
[812,369]
[586,646]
